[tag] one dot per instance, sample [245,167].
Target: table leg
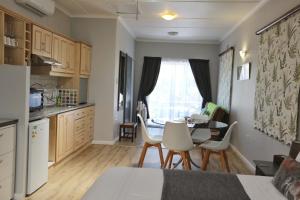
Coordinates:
[180,161]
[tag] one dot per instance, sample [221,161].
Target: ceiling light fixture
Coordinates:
[168,15]
[173,33]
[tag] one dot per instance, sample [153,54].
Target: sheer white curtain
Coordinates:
[176,94]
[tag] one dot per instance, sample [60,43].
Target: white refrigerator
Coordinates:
[38,147]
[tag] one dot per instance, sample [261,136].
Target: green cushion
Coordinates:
[210,109]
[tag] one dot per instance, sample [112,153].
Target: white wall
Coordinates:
[126,44]
[108,37]
[101,34]
[177,50]
[59,22]
[252,143]
[15,105]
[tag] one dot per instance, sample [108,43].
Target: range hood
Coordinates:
[37,60]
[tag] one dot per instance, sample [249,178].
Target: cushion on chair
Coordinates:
[287,179]
[209,109]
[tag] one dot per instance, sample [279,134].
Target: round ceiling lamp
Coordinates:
[168,15]
[173,33]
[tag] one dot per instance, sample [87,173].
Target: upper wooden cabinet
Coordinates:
[63,50]
[85,60]
[41,41]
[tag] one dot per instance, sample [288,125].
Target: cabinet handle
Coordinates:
[1,135]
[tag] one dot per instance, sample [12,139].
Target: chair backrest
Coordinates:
[177,136]
[224,144]
[145,133]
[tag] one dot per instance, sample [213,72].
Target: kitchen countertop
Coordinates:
[54,110]
[7,122]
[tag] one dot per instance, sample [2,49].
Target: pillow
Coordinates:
[287,179]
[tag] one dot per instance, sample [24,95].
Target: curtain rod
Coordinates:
[230,48]
[279,19]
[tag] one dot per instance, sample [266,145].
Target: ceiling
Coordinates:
[197,21]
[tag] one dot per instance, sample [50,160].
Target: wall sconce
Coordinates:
[243,53]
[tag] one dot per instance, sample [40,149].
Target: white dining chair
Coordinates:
[177,138]
[199,136]
[149,141]
[218,147]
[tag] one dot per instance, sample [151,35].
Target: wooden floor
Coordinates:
[70,180]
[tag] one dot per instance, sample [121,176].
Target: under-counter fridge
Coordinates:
[38,148]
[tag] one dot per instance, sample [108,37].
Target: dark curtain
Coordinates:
[200,69]
[150,74]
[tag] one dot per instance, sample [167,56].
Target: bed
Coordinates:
[147,184]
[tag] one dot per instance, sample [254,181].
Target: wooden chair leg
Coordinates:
[226,161]
[222,160]
[143,154]
[188,158]
[171,159]
[202,153]
[167,159]
[205,160]
[184,160]
[161,157]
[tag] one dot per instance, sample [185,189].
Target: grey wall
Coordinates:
[15,105]
[108,37]
[251,143]
[59,22]
[101,34]
[179,50]
[126,44]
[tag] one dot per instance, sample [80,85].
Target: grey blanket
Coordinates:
[195,185]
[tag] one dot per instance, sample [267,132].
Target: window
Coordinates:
[176,94]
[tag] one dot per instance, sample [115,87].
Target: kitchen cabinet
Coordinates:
[7,161]
[41,41]
[75,129]
[65,135]
[63,50]
[85,60]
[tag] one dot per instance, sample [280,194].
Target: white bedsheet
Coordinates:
[146,184]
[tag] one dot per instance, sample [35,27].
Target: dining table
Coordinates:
[199,136]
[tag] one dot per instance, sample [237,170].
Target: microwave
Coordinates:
[36,99]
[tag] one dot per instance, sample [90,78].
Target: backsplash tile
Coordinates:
[43,82]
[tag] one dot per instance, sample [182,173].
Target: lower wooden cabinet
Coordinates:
[74,130]
[65,135]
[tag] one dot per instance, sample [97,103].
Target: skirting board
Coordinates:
[249,165]
[19,196]
[108,142]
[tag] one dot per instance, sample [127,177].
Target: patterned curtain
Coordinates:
[277,82]
[225,79]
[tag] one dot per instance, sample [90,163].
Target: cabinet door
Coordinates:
[69,122]
[64,54]
[37,35]
[47,43]
[71,68]
[88,60]
[65,135]
[61,137]
[83,58]
[56,51]
[56,54]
